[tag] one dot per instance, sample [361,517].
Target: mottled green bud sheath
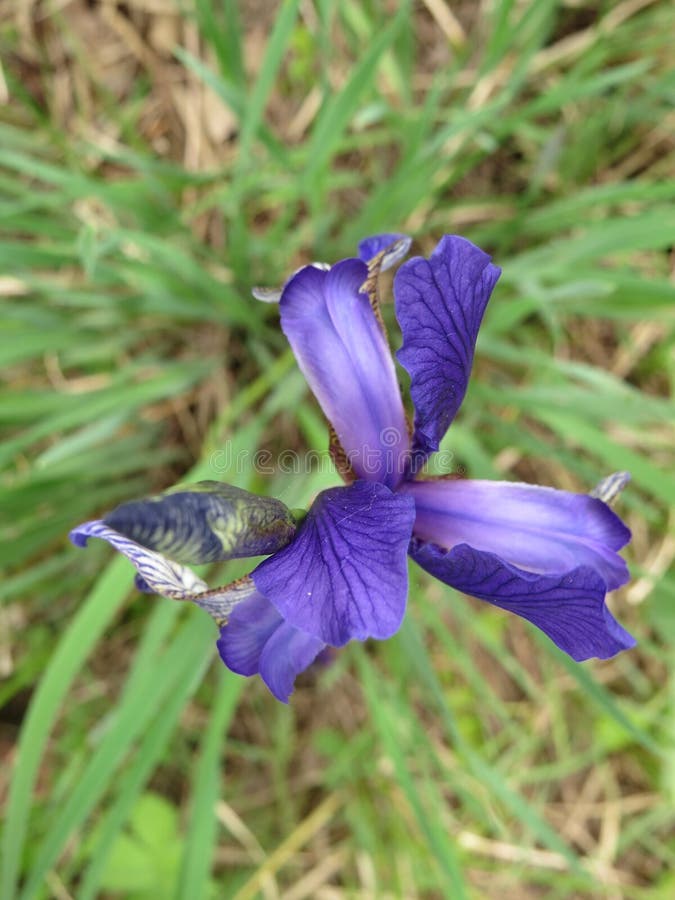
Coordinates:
[205,522]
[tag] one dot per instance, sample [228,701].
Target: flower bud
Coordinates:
[205,522]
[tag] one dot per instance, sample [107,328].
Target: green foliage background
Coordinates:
[157,159]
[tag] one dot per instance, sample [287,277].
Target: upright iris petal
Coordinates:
[342,351]
[568,607]
[396,245]
[535,528]
[439,305]
[345,575]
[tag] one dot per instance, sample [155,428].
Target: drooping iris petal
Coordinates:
[345,574]
[439,305]
[162,576]
[397,246]
[257,640]
[532,527]
[248,629]
[570,607]
[155,574]
[287,653]
[205,522]
[343,354]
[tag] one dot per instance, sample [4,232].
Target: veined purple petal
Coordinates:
[257,640]
[155,574]
[343,354]
[439,305]
[158,574]
[250,626]
[287,653]
[369,248]
[569,608]
[345,574]
[532,527]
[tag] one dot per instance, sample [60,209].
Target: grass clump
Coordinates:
[156,161]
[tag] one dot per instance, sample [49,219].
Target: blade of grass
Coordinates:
[385,712]
[143,697]
[269,67]
[202,823]
[341,107]
[75,646]
[130,784]
[490,777]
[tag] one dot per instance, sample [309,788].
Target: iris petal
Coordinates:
[257,640]
[251,624]
[536,528]
[345,574]
[159,574]
[155,574]
[288,652]
[343,354]
[369,248]
[570,608]
[439,305]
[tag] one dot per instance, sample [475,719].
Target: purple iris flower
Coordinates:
[549,556]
